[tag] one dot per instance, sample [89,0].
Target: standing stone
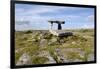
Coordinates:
[24,60]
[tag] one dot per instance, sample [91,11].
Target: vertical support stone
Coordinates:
[51,25]
[59,26]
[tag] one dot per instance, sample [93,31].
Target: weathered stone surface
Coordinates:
[60,56]
[91,57]
[47,55]
[72,50]
[57,50]
[43,42]
[51,60]
[62,41]
[64,59]
[77,60]
[25,59]
[54,39]
[73,42]
[82,54]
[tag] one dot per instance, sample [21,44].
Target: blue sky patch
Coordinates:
[35,17]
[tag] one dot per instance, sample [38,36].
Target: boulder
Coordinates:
[91,57]
[82,54]
[73,42]
[25,59]
[62,41]
[43,42]
[54,39]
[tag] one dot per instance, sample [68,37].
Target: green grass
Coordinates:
[84,39]
[51,50]
[39,60]
[17,56]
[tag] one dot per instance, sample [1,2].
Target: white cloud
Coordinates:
[87,26]
[38,10]
[33,15]
[90,18]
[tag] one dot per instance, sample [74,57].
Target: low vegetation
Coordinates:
[78,46]
[39,60]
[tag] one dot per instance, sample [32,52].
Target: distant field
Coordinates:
[44,48]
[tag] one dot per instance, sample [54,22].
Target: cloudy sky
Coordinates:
[28,17]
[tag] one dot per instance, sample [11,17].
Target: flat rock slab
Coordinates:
[91,57]
[43,42]
[61,33]
[64,58]
[24,60]
[47,55]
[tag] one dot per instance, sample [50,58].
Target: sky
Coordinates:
[36,17]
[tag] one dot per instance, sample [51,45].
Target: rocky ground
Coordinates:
[41,47]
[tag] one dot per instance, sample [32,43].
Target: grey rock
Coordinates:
[24,60]
[91,57]
[54,39]
[43,42]
[82,53]
[57,50]
[73,42]
[62,41]
[77,60]
[47,55]
[51,60]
